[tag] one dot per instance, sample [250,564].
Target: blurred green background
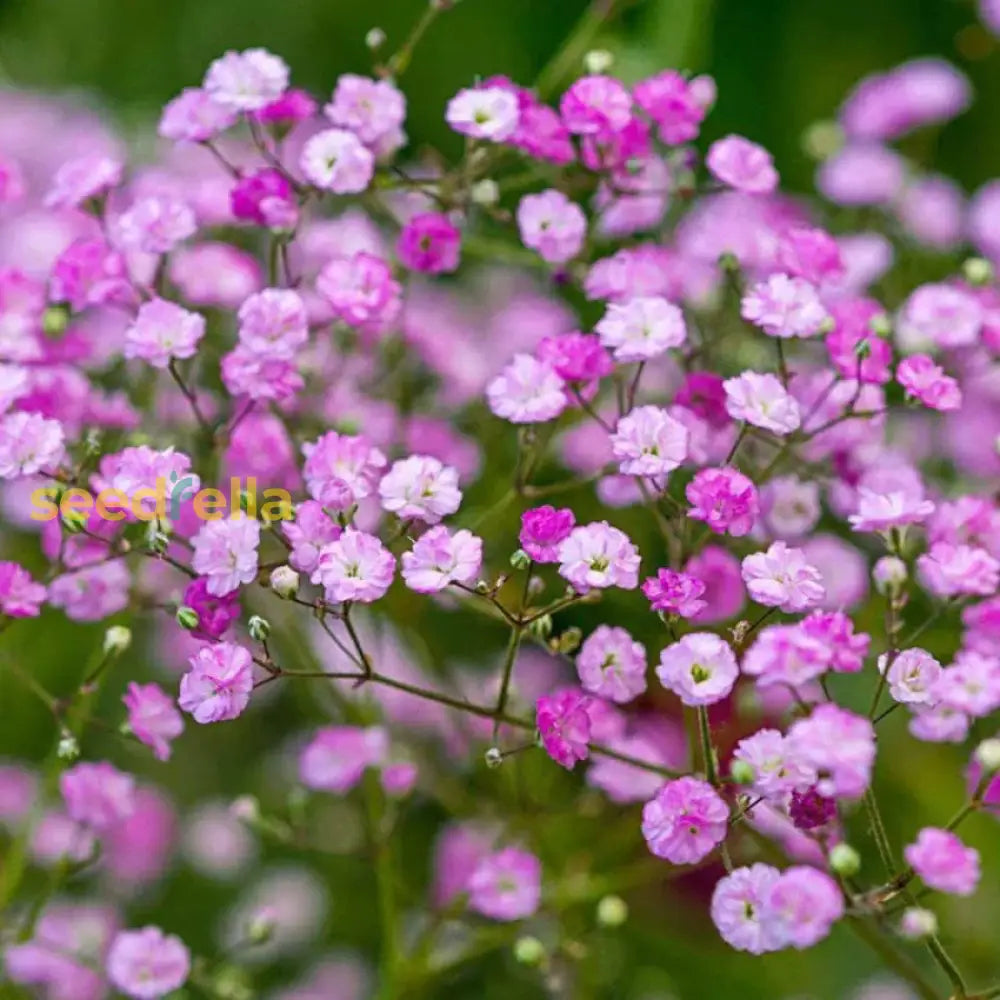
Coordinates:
[780,65]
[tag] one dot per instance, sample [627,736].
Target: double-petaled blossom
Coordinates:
[576,357]
[674,593]
[839,746]
[676,104]
[552,225]
[147,964]
[246,81]
[506,885]
[336,160]
[153,717]
[925,381]
[700,668]
[163,332]
[950,570]
[215,612]
[29,444]
[225,553]
[611,664]
[724,499]
[336,758]
[775,771]
[154,224]
[939,316]
[429,243]
[374,110]
[355,567]
[782,577]
[785,306]
[685,821]
[790,507]
[740,909]
[361,291]
[761,400]
[563,725]
[78,180]
[218,685]
[20,595]
[440,558]
[341,469]
[649,442]
[97,795]
[489,113]
[804,903]
[420,488]
[912,675]
[786,655]
[596,105]
[527,391]
[194,115]
[741,164]
[597,555]
[943,862]
[542,529]
[885,511]
[273,323]
[641,328]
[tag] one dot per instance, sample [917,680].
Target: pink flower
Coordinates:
[355,567]
[776,772]
[781,577]
[361,291]
[641,328]
[762,400]
[225,552]
[97,795]
[336,758]
[93,593]
[215,613]
[926,381]
[308,533]
[596,106]
[246,81]
[335,160]
[790,507]
[912,676]
[217,687]
[542,529]
[862,173]
[564,726]
[78,180]
[649,442]
[293,106]
[430,244]
[948,570]
[440,558]
[675,593]
[576,357]
[700,669]
[147,964]
[273,323]
[154,224]
[552,225]
[812,254]
[152,717]
[194,116]
[527,391]
[163,332]
[742,164]
[20,595]
[685,821]
[724,499]
[839,746]
[89,273]
[835,631]
[787,655]
[939,315]
[214,274]
[258,376]
[783,306]
[265,197]
[943,862]
[29,444]
[802,904]
[971,685]
[374,110]
[612,665]
[489,113]
[341,469]
[506,885]
[597,555]
[676,104]
[884,511]
[739,909]
[420,488]
[719,572]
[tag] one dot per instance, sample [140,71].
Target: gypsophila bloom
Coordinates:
[217,687]
[762,400]
[611,664]
[355,567]
[781,577]
[700,669]
[648,441]
[81,179]
[194,116]
[29,444]
[597,555]
[336,160]
[576,357]
[783,306]
[641,328]
[430,244]
[742,164]
[265,197]
[542,529]
[739,910]
[776,771]
[506,885]
[215,613]
[361,291]
[225,552]
[341,469]
[883,511]
[552,225]
[374,110]
[337,756]
[971,685]
[246,81]
[153,717]
[20,595]
[675,593]
[420,488]
[89,273]
[785,654]
[97,795]
[790,507]
[839,746]
[147,964]
[724,499]
[527,391]
[810,253]
[927,382]
[484,113]
[804,903]
[163,332]
[155,224]
[939,315]
[440,558]
[943,862]
[912,675]
[833,630]
[564,726]
[596,105]
[685,821]
[948,570]
[273,323]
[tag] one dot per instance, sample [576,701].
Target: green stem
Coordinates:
[508,671]
[382,859]
[878,831]
[567,61]
[898,963]
[707,750]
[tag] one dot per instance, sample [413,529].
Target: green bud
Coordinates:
[494,758]
[73,521]
[742,773]
[612,911]
[375,39]
[988,755]
[186,617]
[529,951]
[570,640]
[862,349]
[728,261]
[541,628]
[598,61]
[259,628]
[822,139]
[881,325]
[520,559]
[485,192]
[844,860]
[55,319]
[117,639]
[978,271]
[67,748]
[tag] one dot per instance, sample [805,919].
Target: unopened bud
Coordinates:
[612,911]
[541,628]
[881,325]
[822,139]
[73,521]
[598,61]
[284,581]
[55,319]
[978,271]
[862,349]
[889,574]
[494,758]
[742,773]
[485,192]
[375,39]
[529,951]
[988,755]
[844,860]
[186,617]
[259,628]
[520,559]
[117,639]
[246,808]
[917,923]
[67,748]
[570,640]
[729,262]
[260,927]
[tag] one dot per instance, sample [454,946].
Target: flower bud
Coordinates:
[55,319]
[598,61]
[186,617]
[117,639]
[570,640]
[520,559]
[844,860]
[541,628]
[375,39]
[978,271]
[881,325]
[259,628]
[73,521]
[529,951]
[822,139]
[67,748]
[612,911]
[260,927]
[246,808]
[284,581]
[988,755]
[494,758]
[917,923]
[889,574]
[485,192]
[742,773]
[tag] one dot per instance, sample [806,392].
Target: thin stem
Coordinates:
[878,831]
[385,890]
[508,671]
[400,61]
[707,750]
[566,62]
[898,963]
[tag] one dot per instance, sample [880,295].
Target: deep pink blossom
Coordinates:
[153,717]
[724,499]
[542,529]
[429,243]
[564,726]
[217,687]
[943,862]
[675,593]
[685,821]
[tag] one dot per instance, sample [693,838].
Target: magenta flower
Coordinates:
[675,593]
[542,529]
[97,795]
[420,488]
[440,558]
[784,306]
[641,328]
[217,687]
[506,885]
[943,862]
[246,81]
[809,810]
[739,909]
[90,273]
[153,717]
[803,903]
[336,160]
[719,572]
[612,665]
[596,106]
[576,357]
[810,253]
[677,105]
[20,595]
[430,244]
[685,821]
[147,964]
[355,567]
[597,555]
[225,552]
[781,577]
[742,164]
[336,758]
[564,726]
[265,197]
[527,391]
[839,746]
[163,332]
[724,499]
[700,669]
[762,400]
[846,649]
[649,442]
[927,382]
[215,613]
[552,225]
